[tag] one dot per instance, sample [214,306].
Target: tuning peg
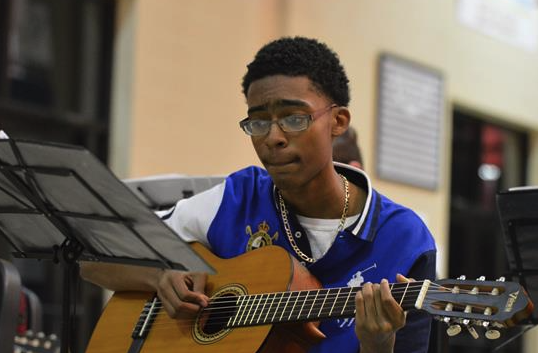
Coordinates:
[501,279]
[453,330]
[481,278]
[472,331]
[492,334]
[462,277]
[47,345]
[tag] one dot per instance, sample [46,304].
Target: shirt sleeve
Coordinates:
[414,337]
[190,218]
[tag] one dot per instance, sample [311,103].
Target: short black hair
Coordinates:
[299,56]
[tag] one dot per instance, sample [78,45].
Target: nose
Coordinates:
[276,137]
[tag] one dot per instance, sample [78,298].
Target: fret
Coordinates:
[277,306]
[285,306]
[239,313]
[295,312]
[243,299]
[313,302]
[254,305]
[344,307]
[395,295]
[302,306]
[400,292]
[265,301]
[334,302]
[248,307]
[293,298]
[326,292]
[271,305]
[403,295]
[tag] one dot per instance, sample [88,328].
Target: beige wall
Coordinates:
[177,98]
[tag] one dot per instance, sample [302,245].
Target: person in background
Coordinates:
[329,217]
[346,149]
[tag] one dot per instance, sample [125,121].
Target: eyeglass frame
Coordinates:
[311,117]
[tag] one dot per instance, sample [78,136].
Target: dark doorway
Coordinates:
[55,70]
[486,158]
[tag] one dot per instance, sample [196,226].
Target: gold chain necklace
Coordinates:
[284,214]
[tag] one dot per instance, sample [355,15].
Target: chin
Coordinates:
[285,182]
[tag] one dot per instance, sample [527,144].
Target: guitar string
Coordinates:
[324,293]
[256,317]
[220,315]
[270,297]
[329,292]
[248,321]
[225,315]
[222,321]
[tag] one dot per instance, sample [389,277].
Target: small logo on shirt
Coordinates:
[261,238]
[356,281]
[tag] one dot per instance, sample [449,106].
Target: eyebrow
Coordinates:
[278,103]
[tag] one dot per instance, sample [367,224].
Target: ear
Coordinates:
[340,121]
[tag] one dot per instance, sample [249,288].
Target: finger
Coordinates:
[180,284]
[168,294]
[402,279]
[383,317]
[360,313]
[199,282]
[369,301]
[169,308]
[393,312]
[386,298]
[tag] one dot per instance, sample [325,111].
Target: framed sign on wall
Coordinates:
[410,112]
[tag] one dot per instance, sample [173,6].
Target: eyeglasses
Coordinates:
[289,123]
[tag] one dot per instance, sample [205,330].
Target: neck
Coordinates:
[319,199]
[310,305]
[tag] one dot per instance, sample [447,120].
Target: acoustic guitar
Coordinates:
[265,301]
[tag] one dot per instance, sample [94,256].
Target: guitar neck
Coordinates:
[308,305]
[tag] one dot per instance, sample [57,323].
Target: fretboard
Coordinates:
[309,305]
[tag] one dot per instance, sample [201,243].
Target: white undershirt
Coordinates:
[322,232]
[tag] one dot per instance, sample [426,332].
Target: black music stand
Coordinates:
[59,202]
[518,212]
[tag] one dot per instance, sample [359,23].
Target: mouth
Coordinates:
[281,164]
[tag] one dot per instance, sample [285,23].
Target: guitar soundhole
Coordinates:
[217,314]
[211,324]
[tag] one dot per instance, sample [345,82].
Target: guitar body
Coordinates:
[269,269]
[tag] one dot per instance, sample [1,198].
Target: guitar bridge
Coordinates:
[150,311]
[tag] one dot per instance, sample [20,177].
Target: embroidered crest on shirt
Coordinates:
[356,281]
[261,238]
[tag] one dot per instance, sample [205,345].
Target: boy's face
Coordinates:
[292,158]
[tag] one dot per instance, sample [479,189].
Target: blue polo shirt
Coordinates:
[384,240]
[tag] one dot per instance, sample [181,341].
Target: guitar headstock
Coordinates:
[32,342]
[489,304]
